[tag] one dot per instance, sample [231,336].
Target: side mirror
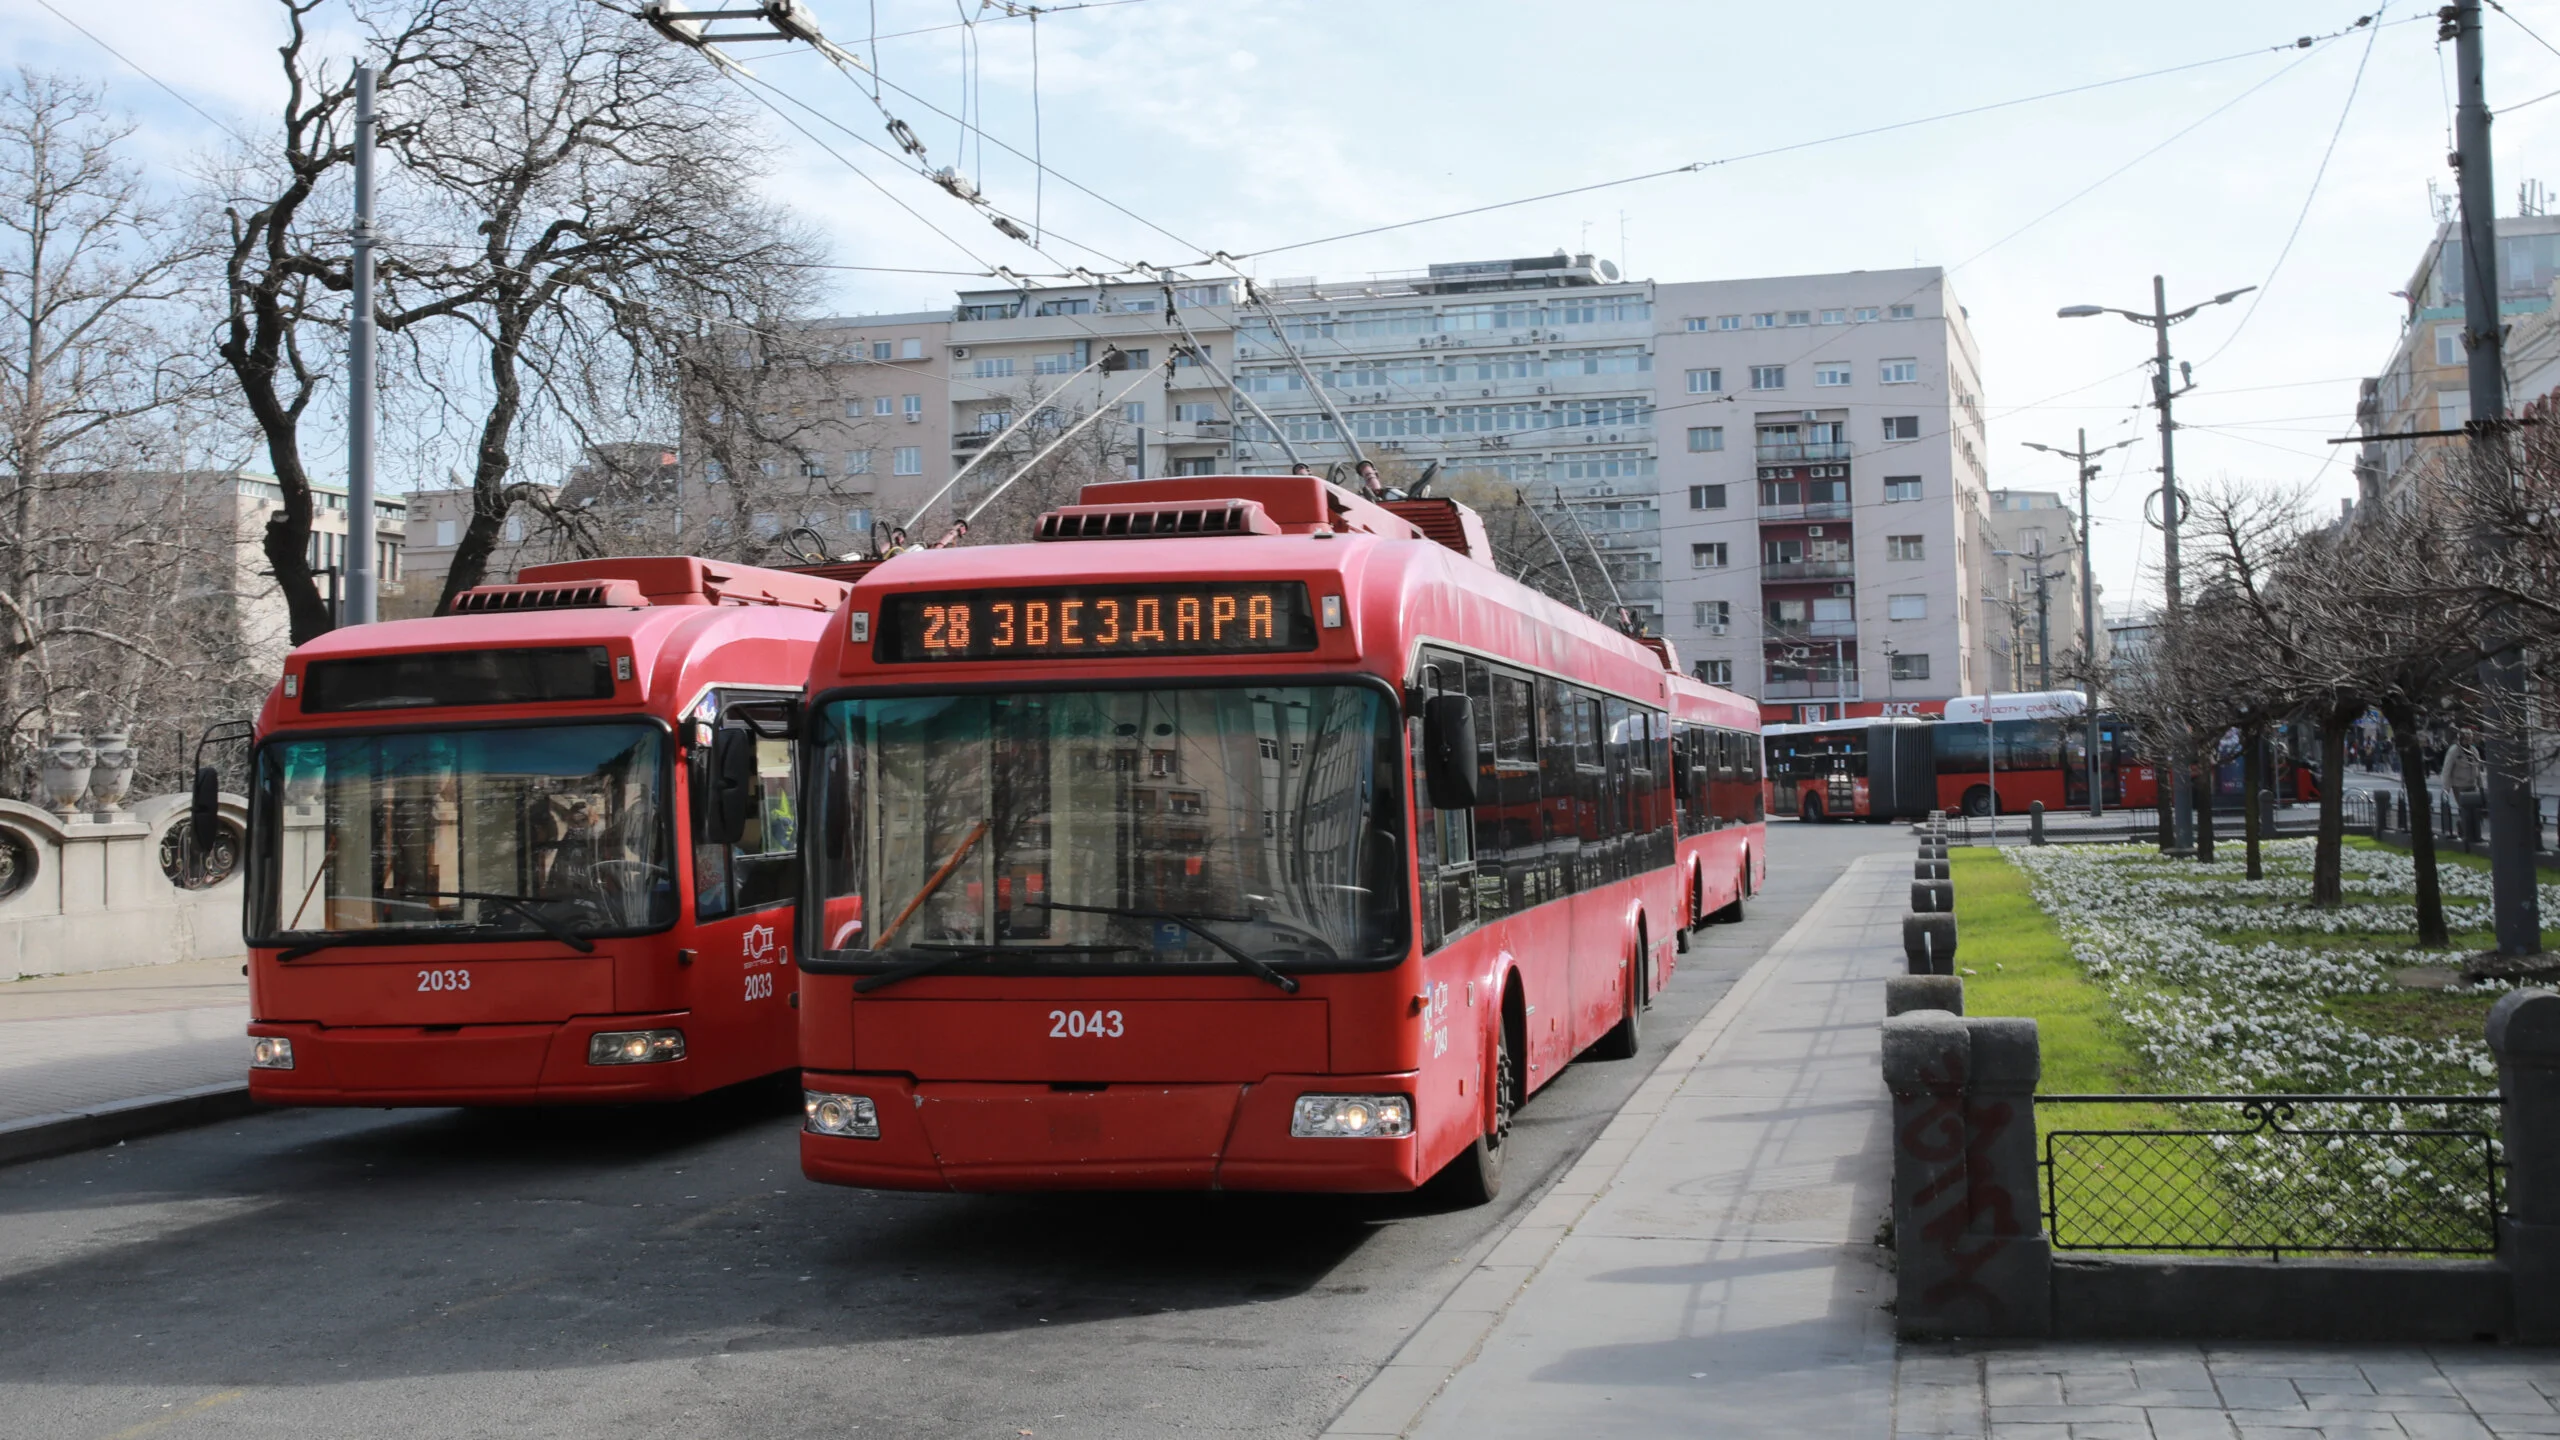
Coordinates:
[731,787]
[1449,752]
[204,810]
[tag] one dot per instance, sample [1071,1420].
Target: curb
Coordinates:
[1448,1339]
[47,1135]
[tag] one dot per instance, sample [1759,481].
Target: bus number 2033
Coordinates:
[444,980]
[1083,1025]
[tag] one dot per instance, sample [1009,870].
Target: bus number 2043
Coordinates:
[1085,1025]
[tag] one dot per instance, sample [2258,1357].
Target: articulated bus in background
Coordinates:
[1852,769]
[540,850]
[1237,833]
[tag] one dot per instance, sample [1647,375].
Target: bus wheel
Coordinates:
[1474,1176]
[1731,914]
[1810,810]
[1977,801]
[1623,1042]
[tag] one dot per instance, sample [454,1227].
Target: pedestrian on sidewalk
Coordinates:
[2467,781]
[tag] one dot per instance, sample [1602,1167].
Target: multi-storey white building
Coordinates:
[2034,625]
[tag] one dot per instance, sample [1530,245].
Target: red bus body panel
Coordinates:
[366,1027]
[975,1090]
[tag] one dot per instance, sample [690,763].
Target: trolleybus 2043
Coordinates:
[538,850]
[1237,832]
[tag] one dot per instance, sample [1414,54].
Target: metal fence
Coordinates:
[2278,1175]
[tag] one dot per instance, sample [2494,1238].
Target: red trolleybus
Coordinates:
[1715,760]
[1852,769]
[1240,833]
[542,849]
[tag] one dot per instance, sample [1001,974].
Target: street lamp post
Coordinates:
[2172,504]
[2088,598]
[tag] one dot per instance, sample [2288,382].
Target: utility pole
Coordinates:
[2044,623]
[2172,506]
[360,590]
[2513,825]
[2081,458]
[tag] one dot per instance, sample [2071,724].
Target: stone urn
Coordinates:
[112,776]
[62,768]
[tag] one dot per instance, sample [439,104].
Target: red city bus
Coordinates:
[1858,769]
[466,882]
[1716,759]
[1238,833]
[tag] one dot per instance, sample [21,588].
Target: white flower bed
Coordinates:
[2214,1014]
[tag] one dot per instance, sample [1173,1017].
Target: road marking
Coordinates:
[194,1407]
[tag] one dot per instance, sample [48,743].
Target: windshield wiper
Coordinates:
[521,904]
[1191,923]
[947,955]
[335,937]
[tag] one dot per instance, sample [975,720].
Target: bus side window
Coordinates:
[1515,758]
[762,869]
[1444,840]
[1488,815]
[1617,826]
[1557,785]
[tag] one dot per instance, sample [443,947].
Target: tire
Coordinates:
[1624,1041]
[1732,913]
[1809,809]
[1474,1176]
[1977,801]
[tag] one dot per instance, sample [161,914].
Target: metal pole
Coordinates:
[2182,791]
[2089,625]
[2044,624]
[2513,822]
[359,593]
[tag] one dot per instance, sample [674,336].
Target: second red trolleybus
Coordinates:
[1238,833]
[539,850]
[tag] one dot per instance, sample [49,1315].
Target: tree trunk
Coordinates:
[2422,827]
[2327,888]
[2200,790]
[490,468]
[2253,784]
[2164,808]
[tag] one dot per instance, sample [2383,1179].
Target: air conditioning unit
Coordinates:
[1808,415]
[1487,394]
[1813,529]
[1715,629]
[1542,389]
[1843,590]
[959,352]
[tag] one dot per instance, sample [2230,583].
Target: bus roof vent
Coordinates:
[576,595]
[1446,521]
[1144,521]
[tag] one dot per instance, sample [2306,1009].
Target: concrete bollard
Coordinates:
[2010,1275]
[2381,812]
[1906,993]
[1928,1057]
[2035,822]
[1931,897]
[1929,943]
[1926,869]
[2524,1033]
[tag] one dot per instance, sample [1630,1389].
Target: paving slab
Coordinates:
[73,1044]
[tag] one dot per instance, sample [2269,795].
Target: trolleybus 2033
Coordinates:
[540,850]
[1238,832]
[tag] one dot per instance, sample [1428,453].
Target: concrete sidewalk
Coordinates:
[1709,1266]
[86,1059]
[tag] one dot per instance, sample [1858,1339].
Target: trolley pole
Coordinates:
[359,608]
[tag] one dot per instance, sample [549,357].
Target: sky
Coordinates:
[1252,126]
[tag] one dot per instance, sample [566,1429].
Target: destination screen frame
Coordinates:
[916,627]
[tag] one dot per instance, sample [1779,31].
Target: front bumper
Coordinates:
[525,1064]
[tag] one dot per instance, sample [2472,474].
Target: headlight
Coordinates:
[848,1115]
[271,1052]
[1333,1117]
[635,1047]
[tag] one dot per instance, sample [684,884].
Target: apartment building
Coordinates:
[2425,385]
[2033,624]
[1828,541]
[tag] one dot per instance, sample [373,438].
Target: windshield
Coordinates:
[478,832]
[1110,828]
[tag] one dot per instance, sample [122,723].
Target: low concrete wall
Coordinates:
[2127,1297]
[99,899]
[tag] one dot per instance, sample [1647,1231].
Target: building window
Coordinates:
[909,460]
[1867,314]
[1902,427]
[1900,312]
[1706,382]
[2031,540]
[1703,438]
[1768,377]
[1765,320]
[1728,322]
[1202,466]
[1706,497]
[1712,615]
[879,349]
[1715,672]
[1906,607]
[1900,372]
[1835,317]
[1000,368]
[446,532]
[1194,296]
[1827,375]
[857,462]
[1910,667]
[2449,345]
[1901,487]
[1799,317]
[1134,412]
[857,523]
[912,406]
[1902,547]
[1710,556]
[911,349]
[1697,322]
[884,406]
[1137,359]
[1194,413]
[992,422]
[853,408]
[813,466]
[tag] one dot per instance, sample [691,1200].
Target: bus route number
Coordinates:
[443,980]
[1080,1025]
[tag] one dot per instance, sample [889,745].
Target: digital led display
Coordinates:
[1093,621]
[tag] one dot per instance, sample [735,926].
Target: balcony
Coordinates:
[1806,570]
[972,439]
[1811,629]
[1817,689]
[1822,450]
[1825,510]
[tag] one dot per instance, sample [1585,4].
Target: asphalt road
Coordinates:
[424,1274]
